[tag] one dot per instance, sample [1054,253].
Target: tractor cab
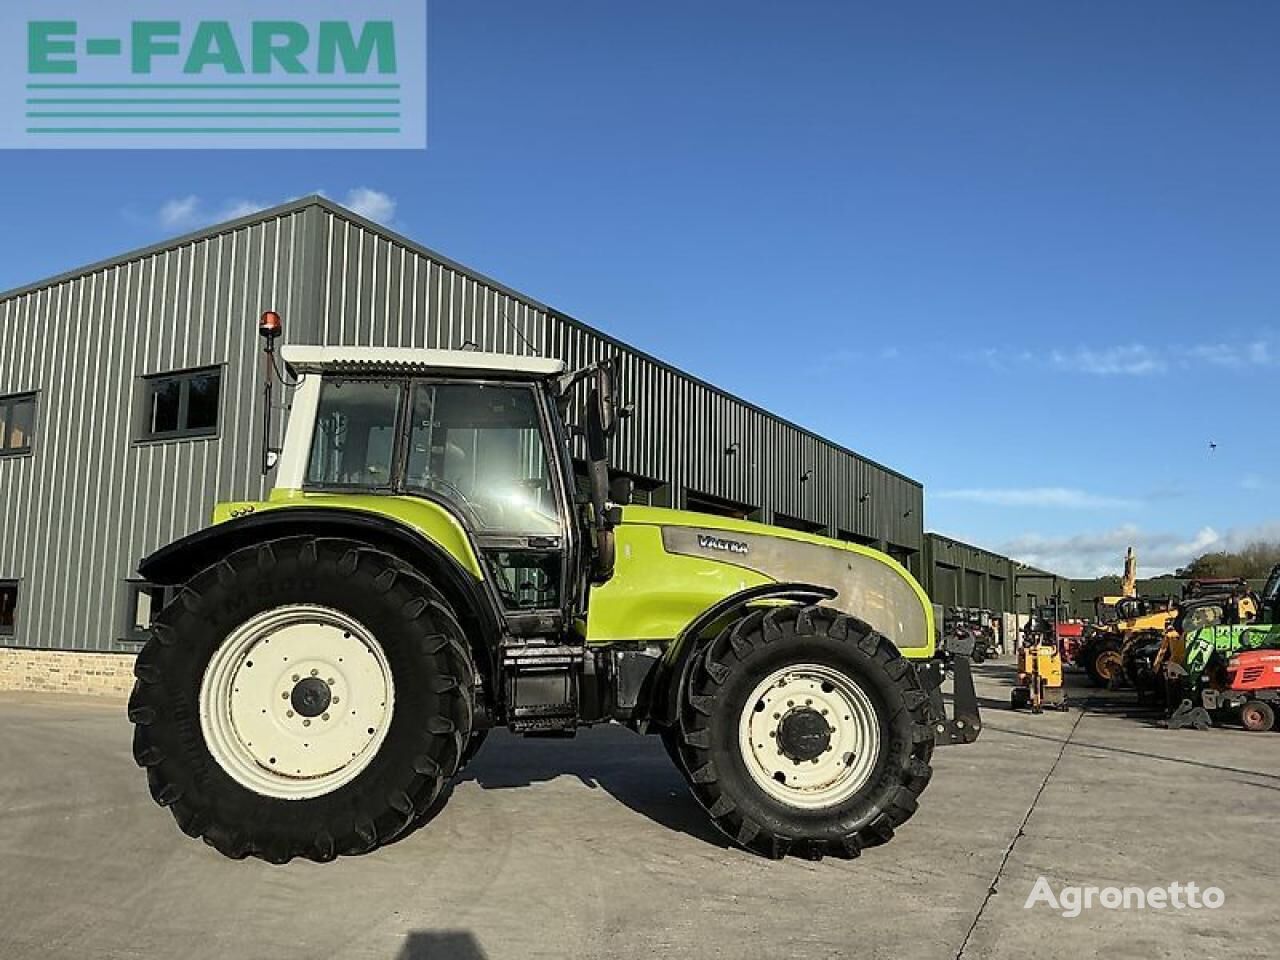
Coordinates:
[480,437]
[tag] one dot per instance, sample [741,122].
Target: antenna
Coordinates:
[515,329]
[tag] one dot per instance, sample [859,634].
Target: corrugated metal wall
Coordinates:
[90,501]
[960,574]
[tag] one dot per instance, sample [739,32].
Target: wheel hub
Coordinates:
[311,697]
[809,736]
[296,701]
[803,734]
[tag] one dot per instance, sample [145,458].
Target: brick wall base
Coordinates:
[66,671]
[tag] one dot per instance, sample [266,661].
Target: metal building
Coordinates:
[130,403]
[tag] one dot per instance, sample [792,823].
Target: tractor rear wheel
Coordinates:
[804,731]
[302,698]
[1258,716]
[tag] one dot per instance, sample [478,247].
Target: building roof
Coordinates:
[312,358]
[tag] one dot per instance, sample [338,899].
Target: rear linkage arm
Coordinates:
[965,723]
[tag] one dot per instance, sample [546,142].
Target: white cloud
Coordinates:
[179,213]
[1132,360]
[371,204]
[239,208]
[1102,553]
[1065,498]
[192,212]
[1137,359]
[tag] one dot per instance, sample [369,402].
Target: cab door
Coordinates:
[483,449]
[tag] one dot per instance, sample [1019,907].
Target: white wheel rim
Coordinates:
[840,770]
[249,699]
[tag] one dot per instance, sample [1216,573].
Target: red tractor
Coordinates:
[1251,686]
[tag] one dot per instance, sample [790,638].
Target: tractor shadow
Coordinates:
[633,769]
[441,945]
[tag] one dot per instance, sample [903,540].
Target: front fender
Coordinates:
[663,701]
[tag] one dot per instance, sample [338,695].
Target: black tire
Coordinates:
[723,677]
[424,647]
[671,743]
[1257,716]
[1091,656]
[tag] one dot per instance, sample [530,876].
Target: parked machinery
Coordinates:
[1039,682]
[972,632]
[1227,670]
[1151,662]
[1139,621]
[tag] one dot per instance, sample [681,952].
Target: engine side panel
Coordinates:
[673,564]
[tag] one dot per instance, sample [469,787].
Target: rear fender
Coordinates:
[181,560]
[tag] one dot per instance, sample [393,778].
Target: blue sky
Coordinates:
[1024,252]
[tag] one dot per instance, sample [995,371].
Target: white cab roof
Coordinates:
[318,359]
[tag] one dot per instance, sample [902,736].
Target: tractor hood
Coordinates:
[869,584]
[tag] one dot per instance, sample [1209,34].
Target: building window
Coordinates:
[858,538]
[797,523]
[717,506]
[180,405]
[8,606]
[145,600]
[17,423]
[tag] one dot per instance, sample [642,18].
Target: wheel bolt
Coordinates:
[330,681]
[306,723]
[285,695]
[324,716]
[296,678]
[315,673]
[336,700]
[288,713]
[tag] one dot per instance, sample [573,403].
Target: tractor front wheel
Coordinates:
[302,698]
[804,731]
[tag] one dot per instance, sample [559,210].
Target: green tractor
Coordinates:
[423,571]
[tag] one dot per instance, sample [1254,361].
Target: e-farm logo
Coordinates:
[213,74]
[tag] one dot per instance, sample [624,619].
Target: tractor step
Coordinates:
[542,682]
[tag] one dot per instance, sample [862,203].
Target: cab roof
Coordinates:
[311,359]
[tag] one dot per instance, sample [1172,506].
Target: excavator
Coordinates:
[1123,623]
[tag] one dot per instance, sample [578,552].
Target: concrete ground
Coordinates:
[592,848]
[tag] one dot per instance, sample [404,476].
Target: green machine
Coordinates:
[1197,675]
[425,570]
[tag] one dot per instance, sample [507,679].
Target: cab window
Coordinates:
[354,440]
